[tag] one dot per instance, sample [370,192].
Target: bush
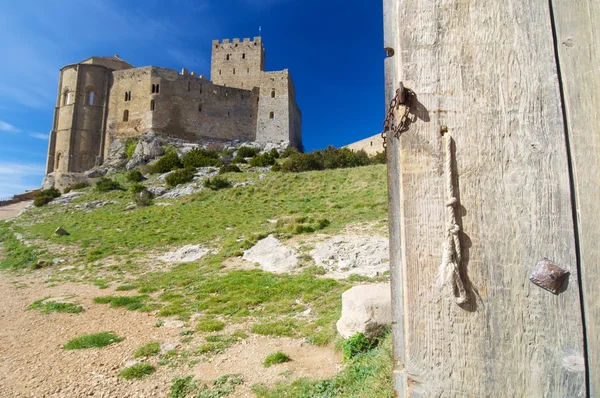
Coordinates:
[210,325]
[201,158]
[229,168]
[289,151]
[137,188]
[106,184]
[216,183]
[246,152]
[130,145]
[338,158]
[300,162]
[143,198]
[357,344]
[43,197]
[147,350]
[179,177]
[276,358]
[378,158]
[74,187]
[166,163]
[134,176]
[276,167]
[266,159]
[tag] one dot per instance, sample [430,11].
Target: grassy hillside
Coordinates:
[113,245]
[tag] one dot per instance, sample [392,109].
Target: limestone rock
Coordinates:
[66,198]
[61,181]
[185,254]
[60,231]
[148,148]
[366,309]
[157,191]
[95,173]
[345,255]
[272,255]
[116,156]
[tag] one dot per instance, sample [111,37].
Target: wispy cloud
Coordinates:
[39,136]
[19,177]
[7,127]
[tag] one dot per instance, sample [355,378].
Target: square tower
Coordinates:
[237,63]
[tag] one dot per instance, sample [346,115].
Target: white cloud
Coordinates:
[39,136]
[7,127]
[19,177]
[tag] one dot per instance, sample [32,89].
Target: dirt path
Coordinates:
[34,364]
[10,211]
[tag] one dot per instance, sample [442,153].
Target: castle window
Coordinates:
[67,98]
[155,89]
[126,115]
[227,58]
[247,70]
[128,96]
[152,105]
[272,115]
[273,94]
[200,108]
[228,113]
[234,71]
[244,56]
[219,71]
[201,89]
[89,97]
[189,86]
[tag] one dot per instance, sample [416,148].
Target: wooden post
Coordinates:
[488,71]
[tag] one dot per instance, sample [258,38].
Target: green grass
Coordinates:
[276,358]
[367,375]
[130,302]
[15,255]
[210,325]
[52,306]
[137,371]
[124,288]
[188,387]
[148,350]
[93,341]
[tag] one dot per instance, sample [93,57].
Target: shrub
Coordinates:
[300,162]
[229,168]
[130,145]
[357,344]
[143,198]
[137,371]
[166,163]
[179,177]
[289,151]
[182,387]
[217,183]
[74,187]
[276,167]
[106,184]
[246,152]
[378,158]
[210,325]
[337,158]
[134,176]
[201,158]
[93,341]
[43,197]
[137,188]
[274,153]
[266,159]
[147,350]
[276,358]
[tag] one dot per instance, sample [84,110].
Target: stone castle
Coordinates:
[102,99]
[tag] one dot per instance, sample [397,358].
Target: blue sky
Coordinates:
[333,49]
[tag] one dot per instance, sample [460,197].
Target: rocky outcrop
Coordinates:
[116,157]
[366,309]
[61,181]
[149,147]
[272,256]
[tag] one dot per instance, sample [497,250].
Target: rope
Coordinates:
[451,253]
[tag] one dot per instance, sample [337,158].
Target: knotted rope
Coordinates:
[451,253]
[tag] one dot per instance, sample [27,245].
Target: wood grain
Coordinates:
[487,71]
[578,39]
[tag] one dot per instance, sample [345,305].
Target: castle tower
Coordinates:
[237,63]
[77,135]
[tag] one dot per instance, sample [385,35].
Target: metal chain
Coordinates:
[401,98]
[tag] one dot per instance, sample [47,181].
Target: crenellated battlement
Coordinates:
[235,42]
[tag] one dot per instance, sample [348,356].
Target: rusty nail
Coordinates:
[548,275]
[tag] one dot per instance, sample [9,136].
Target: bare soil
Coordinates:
[34,364]
[7,212]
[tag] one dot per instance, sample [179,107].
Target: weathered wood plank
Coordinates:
[487,71]
[578,42]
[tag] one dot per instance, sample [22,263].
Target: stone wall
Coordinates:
[237,63]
